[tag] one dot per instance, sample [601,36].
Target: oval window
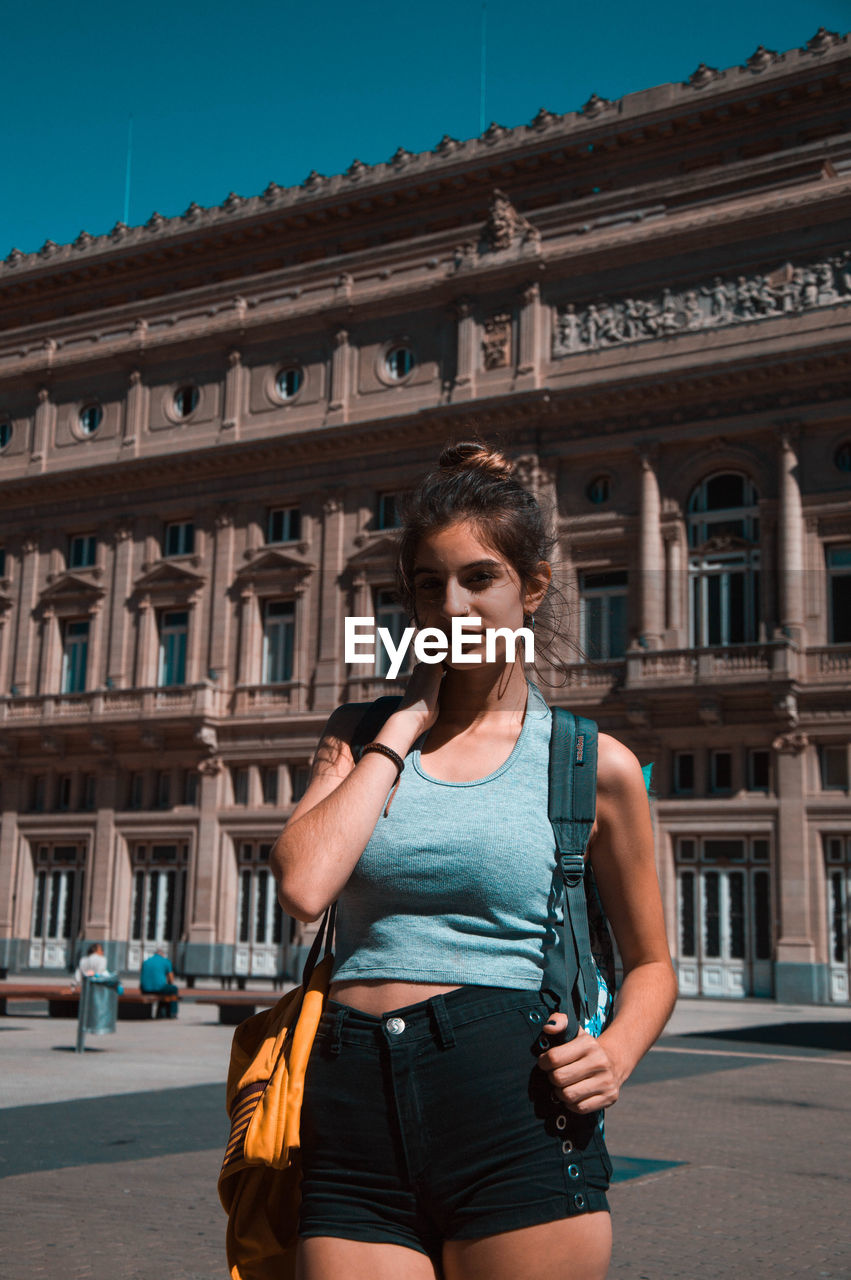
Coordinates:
[288,382]
[399,362]
[185,401]
[598,490]
[91,416]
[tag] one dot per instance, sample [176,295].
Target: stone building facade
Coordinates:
[205,424]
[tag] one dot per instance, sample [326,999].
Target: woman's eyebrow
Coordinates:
[474,564]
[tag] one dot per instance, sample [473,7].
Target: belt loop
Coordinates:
[336,1043]
[445,1034]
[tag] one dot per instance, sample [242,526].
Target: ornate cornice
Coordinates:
[630,117]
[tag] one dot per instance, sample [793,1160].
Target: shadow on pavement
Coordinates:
[125,1126]
[835,1036]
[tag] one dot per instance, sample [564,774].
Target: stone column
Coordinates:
[41,430]
[11,803]
[203,953]
[51,664]
[146,654]
[465,372]
[528,366]
[233,395]
[797,977]
[119,663]
[338,404]
[675,592]
[790,543]
[194,619]
[94,659]
[249,636]
[100,871]
[25,670]
[330,607]
[652,578]
[218,653]
[134,415]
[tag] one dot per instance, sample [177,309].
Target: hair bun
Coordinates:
[475,455]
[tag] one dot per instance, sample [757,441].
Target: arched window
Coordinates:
[723,538]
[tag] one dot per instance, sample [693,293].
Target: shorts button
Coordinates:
[561,1122]
[395,1026]
[579,1200]
[573,1171]
[567,1147]
[543,1042]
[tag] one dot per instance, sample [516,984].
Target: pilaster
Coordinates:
[97,920]
[233,395]
[790,541]
[528,365]
[651,572]
[465,364]
[338,405]
[118,662]
[218,653]
[25,671]
[329,658]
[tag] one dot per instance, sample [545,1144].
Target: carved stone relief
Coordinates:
[496,344]
[788,290]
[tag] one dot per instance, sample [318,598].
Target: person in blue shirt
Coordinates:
[156,978]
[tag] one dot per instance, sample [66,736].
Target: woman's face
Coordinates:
[456,575]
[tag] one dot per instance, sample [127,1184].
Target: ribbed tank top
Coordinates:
[457,884]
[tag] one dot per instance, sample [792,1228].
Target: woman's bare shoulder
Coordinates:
[618,768]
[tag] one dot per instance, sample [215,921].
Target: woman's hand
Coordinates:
[581,1072]
[423,692]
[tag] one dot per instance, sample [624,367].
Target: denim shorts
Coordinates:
[434,1122]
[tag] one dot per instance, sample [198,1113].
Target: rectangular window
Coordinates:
[88,798]
[136,791]
[721,850]
[75,654]
[180,538]
[83,551]
[390,615]
[240,785]
[759,763]
[834,768]
[63,792]
[278,640]
[299,778]
[164,789]
[602,613]
[38,793]
[387,511]
[722,771]
[173,629]
[2,562]
[283,524]
[270,784]
[684,771]
[839,580]
[190,787]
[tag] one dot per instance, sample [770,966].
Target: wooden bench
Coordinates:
[64,1001]
[236,1006]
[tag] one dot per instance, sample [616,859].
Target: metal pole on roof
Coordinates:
[126,218]
[483,70]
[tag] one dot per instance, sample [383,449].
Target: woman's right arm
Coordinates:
[331,825]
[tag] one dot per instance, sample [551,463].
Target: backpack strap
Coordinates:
[572,808]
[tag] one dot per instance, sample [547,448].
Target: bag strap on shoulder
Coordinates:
[572,808]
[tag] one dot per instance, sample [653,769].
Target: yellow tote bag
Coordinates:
[260,1179]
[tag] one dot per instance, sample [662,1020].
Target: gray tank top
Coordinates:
[457,885]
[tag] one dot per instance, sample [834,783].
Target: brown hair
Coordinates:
[477,483]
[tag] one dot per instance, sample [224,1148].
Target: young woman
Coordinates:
[439,1140]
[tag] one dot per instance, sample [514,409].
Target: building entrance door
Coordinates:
[837,854]
[724,907]
[57,905]
[159,891]
[261,945]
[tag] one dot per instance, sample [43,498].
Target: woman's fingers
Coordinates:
[580,1071]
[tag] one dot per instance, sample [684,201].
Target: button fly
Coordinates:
[395,1026]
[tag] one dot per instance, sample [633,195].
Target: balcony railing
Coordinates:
[250,699]
[730,664]
[829,665]
[113,704]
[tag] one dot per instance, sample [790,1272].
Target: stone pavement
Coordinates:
[730,1146]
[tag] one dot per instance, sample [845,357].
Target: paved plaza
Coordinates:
[730,1146]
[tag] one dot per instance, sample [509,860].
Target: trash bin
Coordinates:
[98,1009]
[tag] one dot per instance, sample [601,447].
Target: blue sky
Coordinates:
[226,97]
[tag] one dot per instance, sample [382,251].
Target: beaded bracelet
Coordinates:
[391,755]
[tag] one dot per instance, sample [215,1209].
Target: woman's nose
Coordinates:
[455,600]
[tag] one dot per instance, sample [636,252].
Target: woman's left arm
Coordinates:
[589,1072]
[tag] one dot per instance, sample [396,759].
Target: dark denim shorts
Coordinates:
[434,1122]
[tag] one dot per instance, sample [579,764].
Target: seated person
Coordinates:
[156,978]
[94,961]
